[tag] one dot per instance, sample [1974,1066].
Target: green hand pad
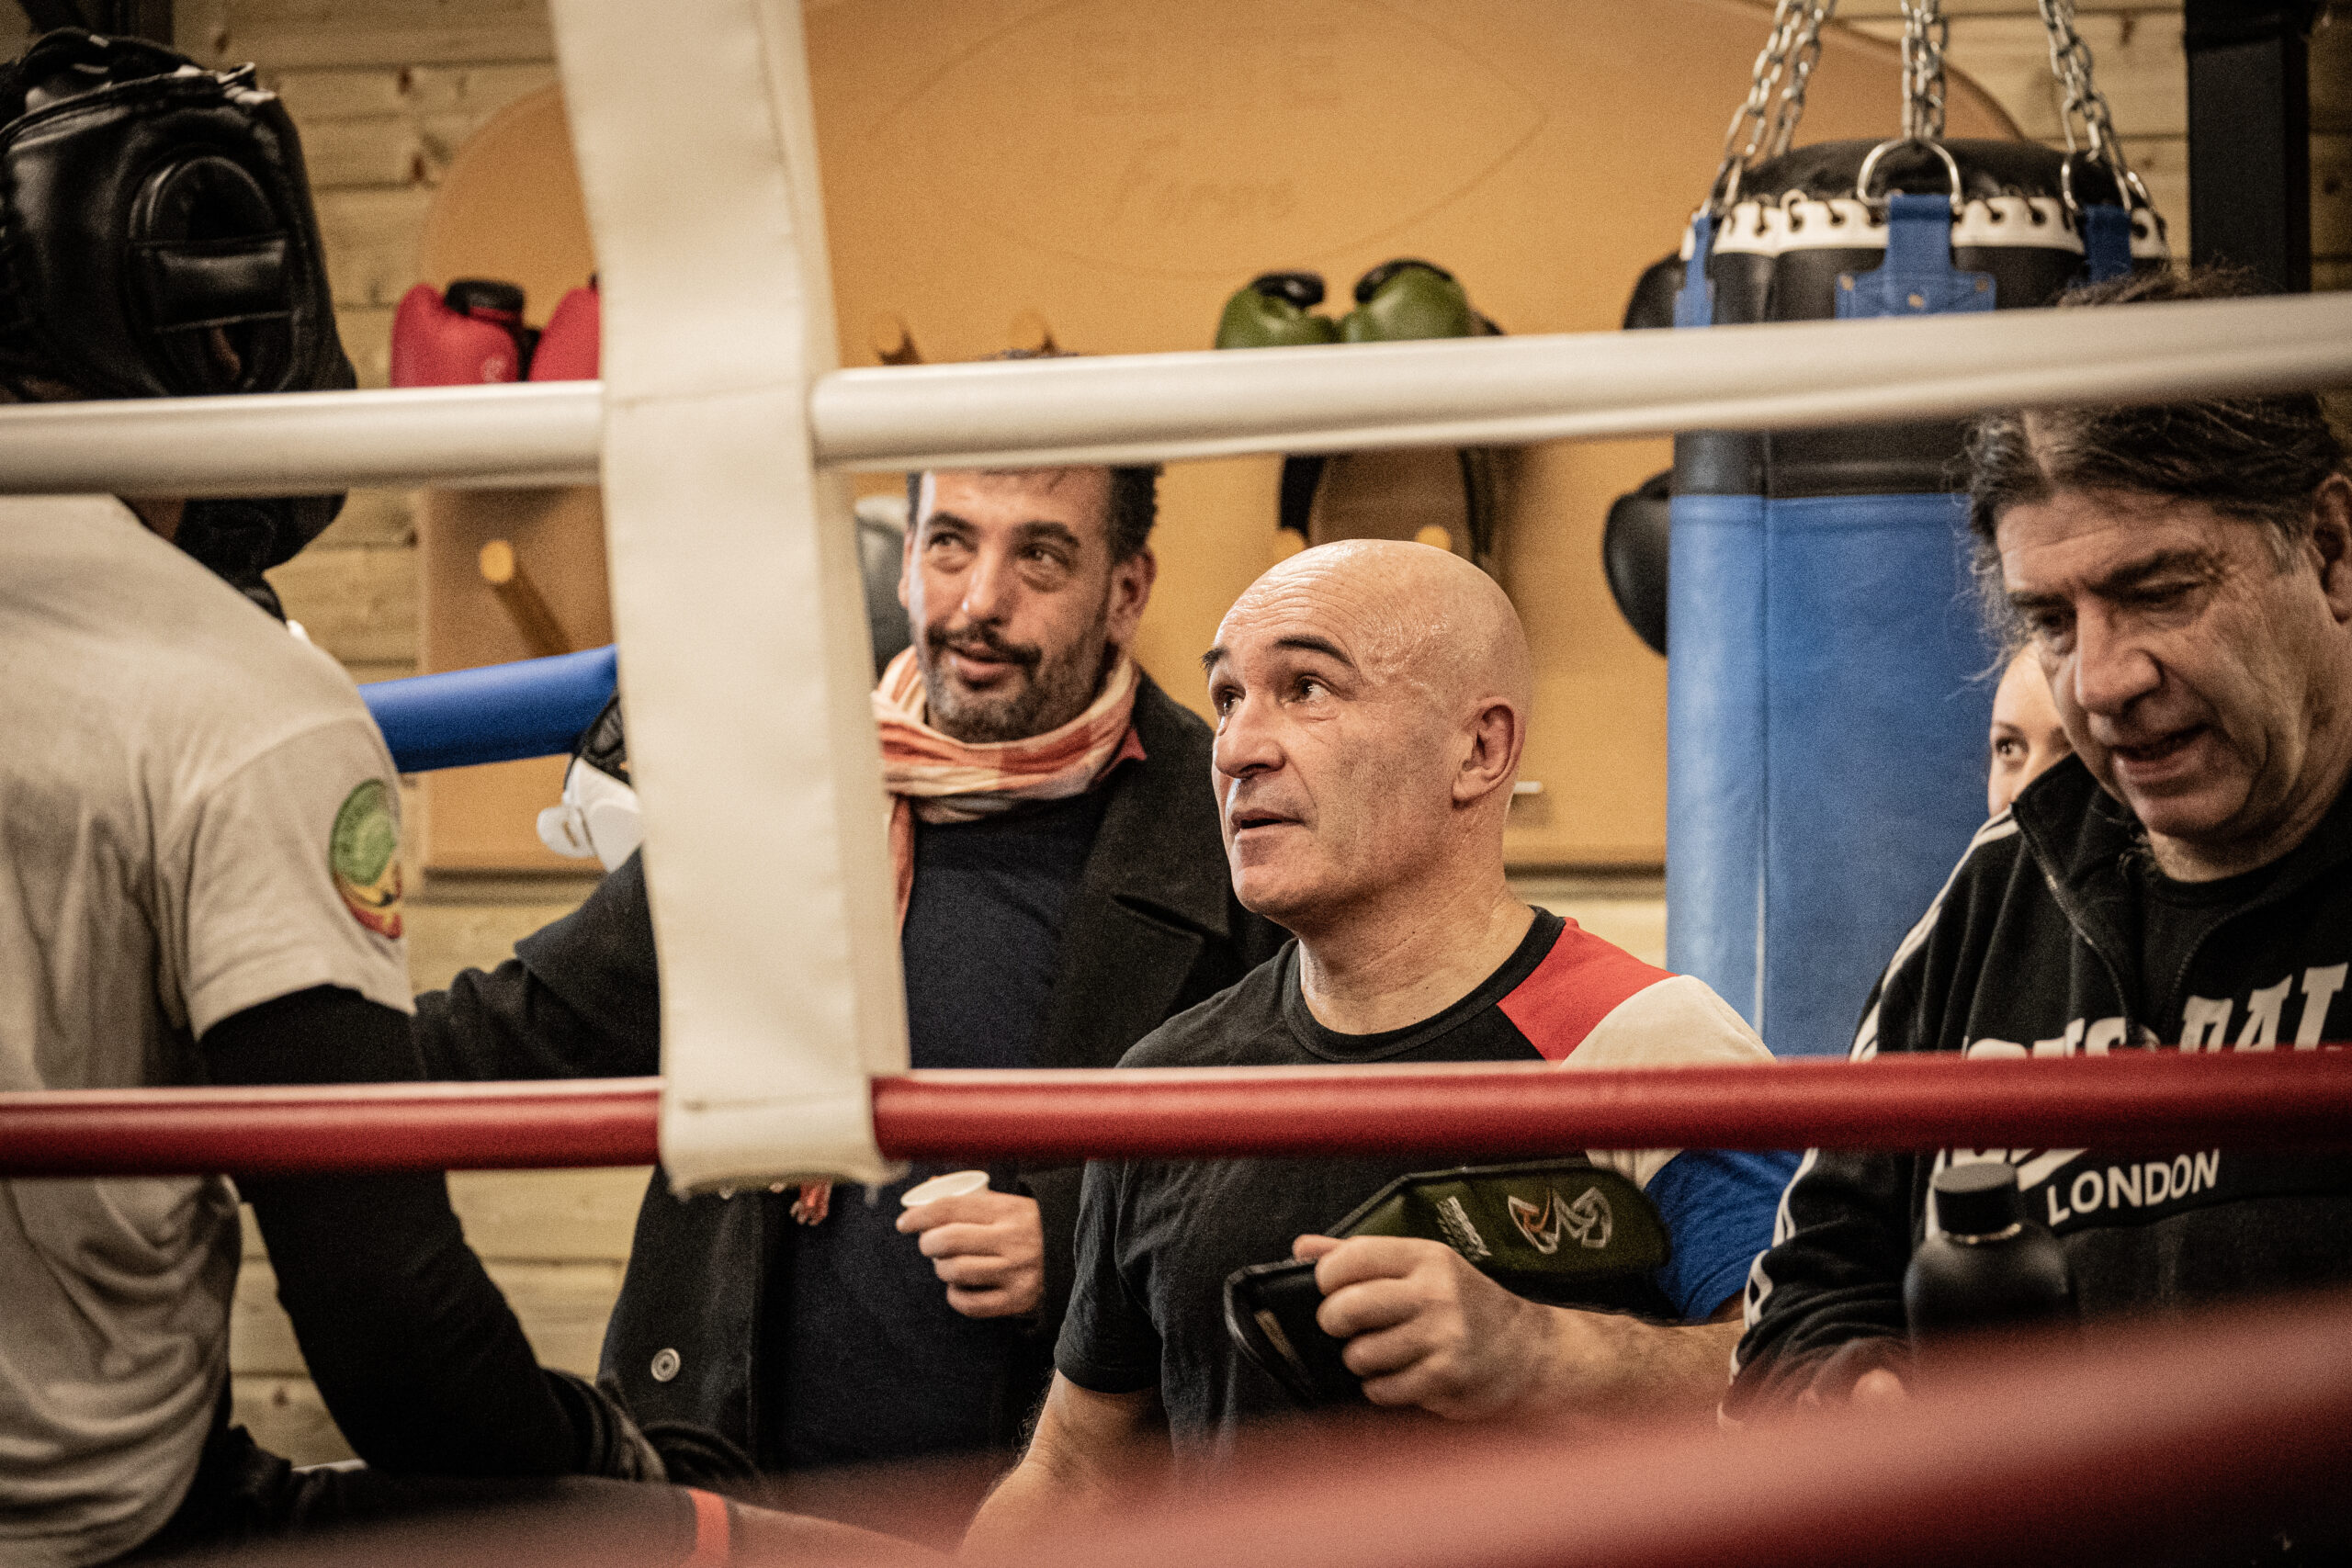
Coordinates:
[1558,1231]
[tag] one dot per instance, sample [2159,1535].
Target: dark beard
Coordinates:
[1052,690]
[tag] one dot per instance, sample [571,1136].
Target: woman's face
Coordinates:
[2027,735]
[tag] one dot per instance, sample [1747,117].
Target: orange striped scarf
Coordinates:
[941,779]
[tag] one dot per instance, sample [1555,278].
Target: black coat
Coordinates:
[1152,928]
[2032,949]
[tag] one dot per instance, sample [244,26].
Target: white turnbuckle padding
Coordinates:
[743,651]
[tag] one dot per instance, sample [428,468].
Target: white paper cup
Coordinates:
[955,1184]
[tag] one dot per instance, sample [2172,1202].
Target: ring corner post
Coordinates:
[735,594]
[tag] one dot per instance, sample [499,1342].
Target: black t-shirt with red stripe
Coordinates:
[1157,1238]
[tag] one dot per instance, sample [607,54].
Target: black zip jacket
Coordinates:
[2034,949]
[1152,928]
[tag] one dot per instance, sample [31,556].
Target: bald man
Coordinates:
[1371,702]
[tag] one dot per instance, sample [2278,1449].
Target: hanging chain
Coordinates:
[2070,62]
[1924,33]
[1762,128]
[1803,55]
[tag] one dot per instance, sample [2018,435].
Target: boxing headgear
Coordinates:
[599,816]
[157,240]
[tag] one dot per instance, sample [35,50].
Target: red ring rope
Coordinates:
[2150,1100]
[2237,1099]
[313,1131]
[2136,1445]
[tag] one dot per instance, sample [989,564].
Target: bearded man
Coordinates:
[1061,891]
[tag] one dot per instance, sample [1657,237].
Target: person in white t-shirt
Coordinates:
[199,874]
[200,883]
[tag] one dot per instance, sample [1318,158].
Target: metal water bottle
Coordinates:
[1985,1265]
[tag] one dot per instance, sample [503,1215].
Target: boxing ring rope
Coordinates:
[2146,1443]
[299,443]
[2140,1445]
[2159,1101]
[1163,407]
[1596,385]
[496,713]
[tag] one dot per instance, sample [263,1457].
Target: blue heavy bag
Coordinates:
[1828,680]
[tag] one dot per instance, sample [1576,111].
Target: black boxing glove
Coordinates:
[611,1445]
[698,1456]
[680,1452]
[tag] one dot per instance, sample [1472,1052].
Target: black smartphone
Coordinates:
[1270,1312]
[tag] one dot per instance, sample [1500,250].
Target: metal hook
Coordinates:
[1870,166]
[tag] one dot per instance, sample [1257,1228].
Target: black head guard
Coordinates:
[157,240]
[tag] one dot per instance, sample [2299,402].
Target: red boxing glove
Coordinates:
[472,336]
[567,348]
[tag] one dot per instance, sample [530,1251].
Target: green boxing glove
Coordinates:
[1402,300]
[1276,311]
[1396,302]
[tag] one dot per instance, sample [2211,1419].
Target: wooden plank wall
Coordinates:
[385,90]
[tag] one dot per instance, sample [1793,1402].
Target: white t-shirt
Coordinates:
[196,816]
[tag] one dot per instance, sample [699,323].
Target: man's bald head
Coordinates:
[1371,699]
[1419,614]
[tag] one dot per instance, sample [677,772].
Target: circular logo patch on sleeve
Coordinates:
[364,853]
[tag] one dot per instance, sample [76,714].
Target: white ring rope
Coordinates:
[1160,407]
[302,442]
[1502,391]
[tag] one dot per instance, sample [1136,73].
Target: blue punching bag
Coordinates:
[1828,682]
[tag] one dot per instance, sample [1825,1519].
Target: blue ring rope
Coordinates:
[535,707]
